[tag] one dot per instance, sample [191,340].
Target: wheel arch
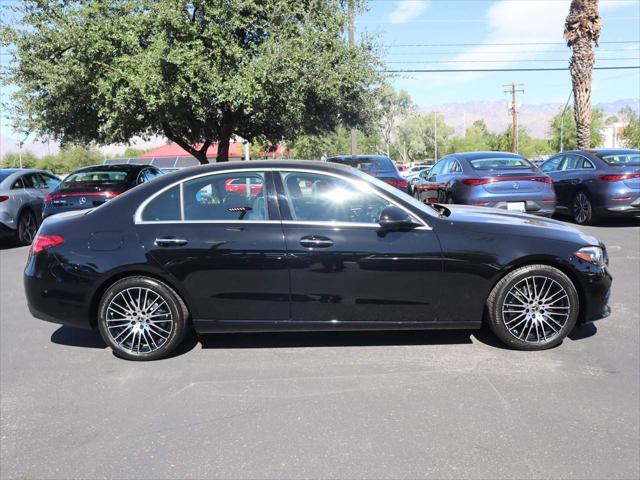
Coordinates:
[98,292]
[549,261]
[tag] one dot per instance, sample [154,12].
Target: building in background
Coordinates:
[612,135]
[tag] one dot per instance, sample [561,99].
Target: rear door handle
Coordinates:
[170,242]
[316,241]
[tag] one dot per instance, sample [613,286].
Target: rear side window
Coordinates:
[232,196]
[165,207]
[630,158]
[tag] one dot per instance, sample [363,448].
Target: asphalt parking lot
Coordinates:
[325,405]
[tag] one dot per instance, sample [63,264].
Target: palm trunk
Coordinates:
[581,68]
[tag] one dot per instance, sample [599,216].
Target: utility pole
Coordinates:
[435,136]
[514,111]
[351,14]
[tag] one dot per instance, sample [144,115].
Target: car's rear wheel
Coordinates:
[582,209]
[141,318]
[533,308]
[27,228]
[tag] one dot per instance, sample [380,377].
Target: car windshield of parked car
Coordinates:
[366,164]
[94,178]
[622,159]
[499,163]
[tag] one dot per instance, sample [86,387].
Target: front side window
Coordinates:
[552,164]
[314,197]
[439,167]
[50,181]
[231,196]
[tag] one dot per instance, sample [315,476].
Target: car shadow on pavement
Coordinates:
[583,331]
[77,337]
[622,222]
[334,339]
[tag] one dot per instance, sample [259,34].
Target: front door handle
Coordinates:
[316,241]
[170,242]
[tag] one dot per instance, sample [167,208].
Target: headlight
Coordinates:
[593,255]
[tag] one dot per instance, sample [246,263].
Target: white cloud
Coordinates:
[406,11]
[531,21]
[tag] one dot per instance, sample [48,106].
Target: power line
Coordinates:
[507,60]
[464,70]
[505,52]
[513,44]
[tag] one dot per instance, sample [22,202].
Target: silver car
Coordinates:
[22,193]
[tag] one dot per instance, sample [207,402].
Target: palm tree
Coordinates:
[581,30]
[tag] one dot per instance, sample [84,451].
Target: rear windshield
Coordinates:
[95,178]
[366,164]
[502,162]
[622,159]
[4,175]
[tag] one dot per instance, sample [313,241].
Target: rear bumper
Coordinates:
[620,208]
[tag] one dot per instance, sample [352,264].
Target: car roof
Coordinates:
[358,156]
[113,167]
[478,155]
[604,151]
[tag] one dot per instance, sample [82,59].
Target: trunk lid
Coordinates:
[512,181]
[85,197]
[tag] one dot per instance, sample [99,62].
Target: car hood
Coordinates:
[493,220]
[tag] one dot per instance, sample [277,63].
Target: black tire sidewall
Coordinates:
[19,232]
[591,218]
[176,306]
[496,299]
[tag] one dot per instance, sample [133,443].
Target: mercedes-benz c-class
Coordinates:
[297,245]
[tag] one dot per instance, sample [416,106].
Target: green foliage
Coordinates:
[65,161]
[315,147]
[415,138]
[196,71]
[631,133]
[393,107]
[477,137]
[134,152]
[570,135]
[12,160]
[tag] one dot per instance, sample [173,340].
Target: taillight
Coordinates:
[43,242]
[3,198]
[619,177]
[398,183]
[472,182]
[111,194]
[54,196]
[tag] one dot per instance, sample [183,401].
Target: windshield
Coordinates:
[628,158]
[366,164]
[93,178]
[500,162]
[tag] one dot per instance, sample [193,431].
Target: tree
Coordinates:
[196,71]
[415,139]
[631,133]
[12,160]
[570,133]
[477,137]
[393,107]
[581,30]
[314,147]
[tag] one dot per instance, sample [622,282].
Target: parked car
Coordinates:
[90,187]
[22,193]
[417,177]
[596,183]
[348,252]
[378,166]
[490,179]
[413,171]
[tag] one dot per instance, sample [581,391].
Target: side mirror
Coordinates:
[394,218]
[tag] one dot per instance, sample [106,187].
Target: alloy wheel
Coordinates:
[27,228]
[536,309]
[581,208]
[139,320]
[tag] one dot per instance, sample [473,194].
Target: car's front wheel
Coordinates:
[533,307]
[141,318]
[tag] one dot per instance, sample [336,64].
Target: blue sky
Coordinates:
[484,22]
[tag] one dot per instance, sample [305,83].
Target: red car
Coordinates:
[239,185]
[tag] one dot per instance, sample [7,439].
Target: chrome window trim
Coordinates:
[137,217]
[574,169]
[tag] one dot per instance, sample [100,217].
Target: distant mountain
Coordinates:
[534,117]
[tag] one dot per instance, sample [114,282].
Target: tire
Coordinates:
[519,318]
[141,318]
[27,227]
[582,209]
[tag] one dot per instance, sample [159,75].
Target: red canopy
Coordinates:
[173,150]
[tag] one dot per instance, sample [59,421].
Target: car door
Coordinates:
[343,266]
[434,182]
[35,190]
[226,249]
[567,179]
[552,168]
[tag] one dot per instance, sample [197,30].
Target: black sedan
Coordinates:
[307,246]
[378,166]
[90,187]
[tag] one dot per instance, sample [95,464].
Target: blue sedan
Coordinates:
[489,179]
[596,183]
